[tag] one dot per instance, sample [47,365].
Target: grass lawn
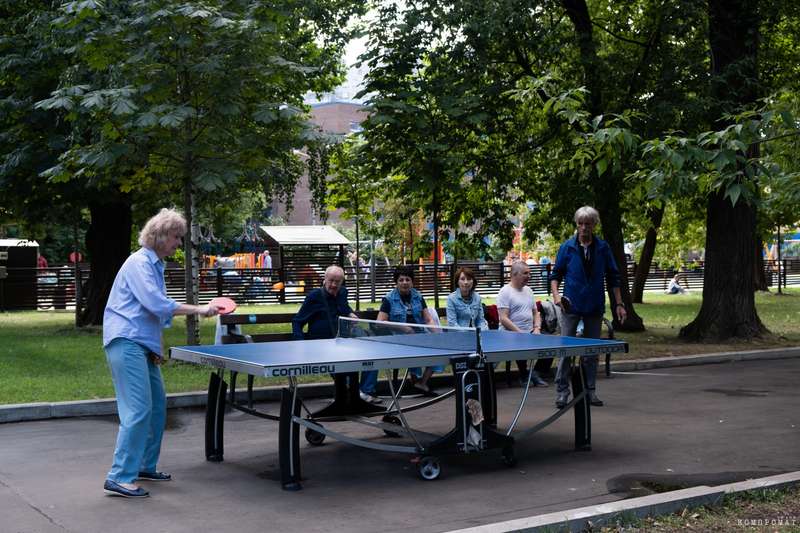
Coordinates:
[44,358]
[758,510]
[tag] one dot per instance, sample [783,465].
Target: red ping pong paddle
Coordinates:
[225,304]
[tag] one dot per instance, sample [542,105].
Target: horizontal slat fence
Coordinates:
[55,288]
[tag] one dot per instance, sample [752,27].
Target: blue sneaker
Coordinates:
[112,488]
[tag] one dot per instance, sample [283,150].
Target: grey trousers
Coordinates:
[592,328]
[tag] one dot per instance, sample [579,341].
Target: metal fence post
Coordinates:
[784,272]
[372,277]
[78,294]
[502,277]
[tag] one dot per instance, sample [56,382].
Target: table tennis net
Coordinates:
[438,337]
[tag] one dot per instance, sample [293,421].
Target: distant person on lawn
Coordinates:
[675,286]
[137,310]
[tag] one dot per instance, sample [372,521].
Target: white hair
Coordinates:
[518,266]
[334,269]
[587,212]
[156,230]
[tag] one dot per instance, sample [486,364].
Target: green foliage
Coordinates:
[350,187]
[31,139]
[730,160]
[682,232]
[209,93]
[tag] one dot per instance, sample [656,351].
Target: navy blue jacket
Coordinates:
[321,312]
[585,289]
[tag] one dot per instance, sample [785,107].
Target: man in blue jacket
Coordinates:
[581,265]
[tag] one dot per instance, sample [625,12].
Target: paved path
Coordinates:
[678,426]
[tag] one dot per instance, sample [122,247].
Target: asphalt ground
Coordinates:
[670,427]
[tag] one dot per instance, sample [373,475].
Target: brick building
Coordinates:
[336,116]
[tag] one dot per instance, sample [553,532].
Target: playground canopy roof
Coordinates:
[18,242]
[294,235]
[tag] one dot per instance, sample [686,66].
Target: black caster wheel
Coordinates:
[429,468]
[391,419]
[314,438]
[509,458]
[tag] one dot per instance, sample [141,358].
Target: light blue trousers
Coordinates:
[142,408]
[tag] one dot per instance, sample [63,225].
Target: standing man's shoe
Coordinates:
[594,400]
[537,380]
[562,400]
[112,488]
[370,398]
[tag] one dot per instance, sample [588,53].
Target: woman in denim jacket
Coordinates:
[404,304]
[464,307]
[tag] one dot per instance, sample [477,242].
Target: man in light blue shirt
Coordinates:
[137,310]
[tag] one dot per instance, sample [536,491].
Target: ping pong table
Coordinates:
[370,345]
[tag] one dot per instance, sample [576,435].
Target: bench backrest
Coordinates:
[229,322]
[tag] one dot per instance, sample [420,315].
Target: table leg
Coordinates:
[289,440]
[583,419]
[215,417]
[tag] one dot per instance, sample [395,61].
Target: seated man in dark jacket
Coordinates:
[323,307]
[321,311]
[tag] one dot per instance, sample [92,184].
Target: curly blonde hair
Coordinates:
[160,226]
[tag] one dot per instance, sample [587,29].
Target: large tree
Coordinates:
[638,56]
[198,97]
[728,308]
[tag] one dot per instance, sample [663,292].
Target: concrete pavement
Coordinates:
[673,427]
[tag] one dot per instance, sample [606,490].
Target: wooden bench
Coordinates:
[231,321]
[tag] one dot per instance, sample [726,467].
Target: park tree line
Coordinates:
[663,115]
[476,107]
[121,106]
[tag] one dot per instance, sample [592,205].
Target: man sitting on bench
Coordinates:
[321,311]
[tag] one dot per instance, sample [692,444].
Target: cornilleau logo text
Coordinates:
[304,370]
[212,362]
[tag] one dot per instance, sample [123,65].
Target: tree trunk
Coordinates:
[358,270]
[410,240]
[728,308]
[108,245]
[759,274]
[435,253]
[191,263]
[655,215]
[608,205]
[606,188]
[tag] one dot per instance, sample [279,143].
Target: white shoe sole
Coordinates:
[119,494]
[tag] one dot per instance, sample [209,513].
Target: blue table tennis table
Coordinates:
[471,353]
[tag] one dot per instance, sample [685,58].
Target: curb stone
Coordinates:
[42,411]
[592,516]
